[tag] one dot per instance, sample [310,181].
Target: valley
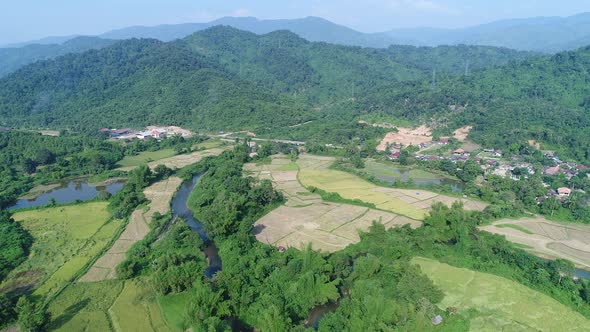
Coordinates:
[296,175]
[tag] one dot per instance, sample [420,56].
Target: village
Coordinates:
[492,161]
[156,132]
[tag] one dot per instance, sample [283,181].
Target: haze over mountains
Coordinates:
[540,34]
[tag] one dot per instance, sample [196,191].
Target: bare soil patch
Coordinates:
[406,137]
[462,133]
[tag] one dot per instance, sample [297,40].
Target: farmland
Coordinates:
[547,238]
[174,161]
[65,240]
[146,157]
[306,218]
[415,204]
[159,194]
[503,305]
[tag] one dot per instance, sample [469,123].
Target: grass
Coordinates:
[84,307]
[503,305]
[517,227]
[145,157]
[65,240]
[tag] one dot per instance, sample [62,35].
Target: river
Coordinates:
[68,192]
[180,209]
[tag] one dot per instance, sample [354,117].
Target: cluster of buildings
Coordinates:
[149,132]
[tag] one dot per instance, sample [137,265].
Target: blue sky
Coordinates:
[22,20]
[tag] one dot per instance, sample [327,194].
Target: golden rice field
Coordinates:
[306,218]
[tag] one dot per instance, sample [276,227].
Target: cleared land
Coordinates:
[145,157]
[503,305]
[305,218]
[412,203]
[406,137]
[159,194]
[182,160]
[547,238]
[462,133]
[65,240]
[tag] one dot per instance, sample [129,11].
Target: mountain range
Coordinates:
[281,85]
[539,34]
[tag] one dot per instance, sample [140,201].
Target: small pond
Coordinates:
[180,209]
[68,192]
[404,176]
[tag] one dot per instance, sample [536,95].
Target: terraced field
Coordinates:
[159,194]
[503,305]
[306,218]
[412,203]
[547,238]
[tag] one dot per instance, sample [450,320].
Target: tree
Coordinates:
[29,166]
[30,316]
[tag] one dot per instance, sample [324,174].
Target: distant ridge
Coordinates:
[539,34]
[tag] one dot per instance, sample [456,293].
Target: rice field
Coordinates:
[178,161]
[547,238]
[137,309]
[65,240]
[159,194]
[146,157]
[502,304]
[84,307]
[306,218]
[414,204]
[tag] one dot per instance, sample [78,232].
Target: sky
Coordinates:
[25,20]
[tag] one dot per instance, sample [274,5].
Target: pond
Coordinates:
[391,174]
[68,192]
[180,209]
[405,176]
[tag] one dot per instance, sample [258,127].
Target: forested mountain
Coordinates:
[225,79]
[14,58]
[541,34]
[541,98]
[220,78]
[135,83]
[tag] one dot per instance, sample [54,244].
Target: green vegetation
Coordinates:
[518,228]
[15,242]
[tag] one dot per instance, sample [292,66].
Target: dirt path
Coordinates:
[159,194]
[547,238]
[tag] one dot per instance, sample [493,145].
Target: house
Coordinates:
[120,132]
[488,150]
[552,170]
[498,153]
[443,140]
[395,155]
[564,192]
[4,129]
[461,152]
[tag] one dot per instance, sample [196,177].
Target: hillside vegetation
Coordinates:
[283,86]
